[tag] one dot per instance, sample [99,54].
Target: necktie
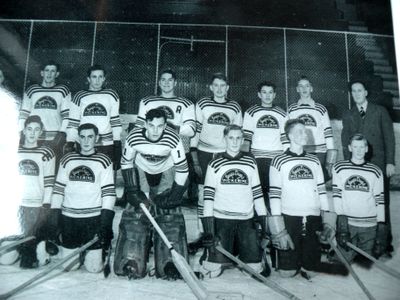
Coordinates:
[362,112]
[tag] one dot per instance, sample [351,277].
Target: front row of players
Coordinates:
[155,172]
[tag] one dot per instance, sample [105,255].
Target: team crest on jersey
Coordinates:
[82,173]
[28,167]
[219,118]
[153,158]
[168,111]
[308,120]
[95,109]
[267,121]
[46,102]
[235,176]
[300,172]
[356,183]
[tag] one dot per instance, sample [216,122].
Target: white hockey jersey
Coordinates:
[232,188]
[211,119]
[358,193]
[51,104]
[84,185]
[264,128]
[318,125]
[36,168]
[297,185]
[100,108]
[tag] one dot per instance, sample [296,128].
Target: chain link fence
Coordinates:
[134,54]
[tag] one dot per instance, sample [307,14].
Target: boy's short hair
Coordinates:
[34,119]
[156,113]
[231,127]
[88,126]
[304,77]
[291,123]
[265,83]
[358,137]
[357,81]
[50,63]
[220,76]
[168,71]
[96,68]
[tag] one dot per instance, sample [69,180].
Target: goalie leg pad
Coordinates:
[132,249]
[94,261]
[10,257]
[173,225]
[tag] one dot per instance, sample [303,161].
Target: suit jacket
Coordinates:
[377,127]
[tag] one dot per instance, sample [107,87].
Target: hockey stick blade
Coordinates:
[22,286]
[352,272]
[378,263]
[272,285]
[12,245]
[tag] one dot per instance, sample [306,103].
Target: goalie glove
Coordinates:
[279,235]
[170,198]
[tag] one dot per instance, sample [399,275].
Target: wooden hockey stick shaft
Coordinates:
[179,261]
[12,245]
[272,285]
[106,267]
[349,267]
[22,286]
[378,263]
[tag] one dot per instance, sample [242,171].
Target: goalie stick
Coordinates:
[185,270]
[22,286]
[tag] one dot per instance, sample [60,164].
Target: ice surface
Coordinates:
[83,285]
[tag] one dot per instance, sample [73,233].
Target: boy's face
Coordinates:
[298,135]
[304,88]
[49,74]
[267,95]
[32,131]
[234,140]
[358,149]
[219,88]
[167,83]
[87,140]
[155,128]
[96,80]
[359,93]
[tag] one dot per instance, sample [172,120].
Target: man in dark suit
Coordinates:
[374,122]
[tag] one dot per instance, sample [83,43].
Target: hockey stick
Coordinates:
[349,267]
[378,263]
[272,285]
[179,261]
[12,245]
[107,268]
[22,286]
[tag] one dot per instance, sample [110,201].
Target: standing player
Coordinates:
[232,192]
[159,157]
[213,114]
[373,121]
[316,119]
[100,107]
[298,199]
[179,111]
[36,167]
[359,201]
[264,132]
[50,101]
[83,200]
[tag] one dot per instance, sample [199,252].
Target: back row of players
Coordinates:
[280,176]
